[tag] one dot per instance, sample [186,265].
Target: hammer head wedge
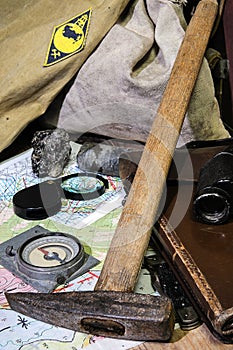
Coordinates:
[104,313]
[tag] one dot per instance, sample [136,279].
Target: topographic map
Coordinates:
[93,222]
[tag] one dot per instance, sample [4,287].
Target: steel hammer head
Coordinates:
[105,313]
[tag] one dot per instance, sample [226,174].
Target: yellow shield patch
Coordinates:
[68,38]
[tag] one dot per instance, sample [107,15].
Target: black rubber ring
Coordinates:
[84,195]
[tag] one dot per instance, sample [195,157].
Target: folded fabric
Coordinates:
[26,29]
[118,89]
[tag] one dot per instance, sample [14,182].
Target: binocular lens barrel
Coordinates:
[212,207]
[213,203]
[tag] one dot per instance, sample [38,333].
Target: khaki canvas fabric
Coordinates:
[26,27]
[118,89]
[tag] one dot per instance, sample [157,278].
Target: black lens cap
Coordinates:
[38,202]
[44,199]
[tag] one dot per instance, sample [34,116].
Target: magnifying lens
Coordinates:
[83,186]
[43,200]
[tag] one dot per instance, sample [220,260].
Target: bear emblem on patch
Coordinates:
[68,38]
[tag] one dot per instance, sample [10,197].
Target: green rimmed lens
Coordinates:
[83,184]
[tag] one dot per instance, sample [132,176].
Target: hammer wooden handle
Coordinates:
[142,208]
[128,315]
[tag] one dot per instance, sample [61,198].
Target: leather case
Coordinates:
[200,255]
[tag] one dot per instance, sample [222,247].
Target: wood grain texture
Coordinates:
[144,203]
[199,338]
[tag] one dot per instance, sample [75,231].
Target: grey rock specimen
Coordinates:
[51,152]
[104,157]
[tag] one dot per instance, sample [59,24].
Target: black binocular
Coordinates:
[213,202]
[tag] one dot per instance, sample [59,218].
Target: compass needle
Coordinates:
[56,249]
[43,251]
[45,259]
[52,255]
[112,309]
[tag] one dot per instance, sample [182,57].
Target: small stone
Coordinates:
[104,157]
[51,152]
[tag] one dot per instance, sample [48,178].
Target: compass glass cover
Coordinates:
[50,251]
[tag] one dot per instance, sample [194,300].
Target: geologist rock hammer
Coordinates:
[112,309]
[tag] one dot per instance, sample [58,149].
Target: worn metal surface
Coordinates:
[113,314]
[131,238]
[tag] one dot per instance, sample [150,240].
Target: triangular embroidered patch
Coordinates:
[68,38]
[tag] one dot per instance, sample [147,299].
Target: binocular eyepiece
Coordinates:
[213,202]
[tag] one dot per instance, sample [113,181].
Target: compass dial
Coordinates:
[45,259]
[50,250]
